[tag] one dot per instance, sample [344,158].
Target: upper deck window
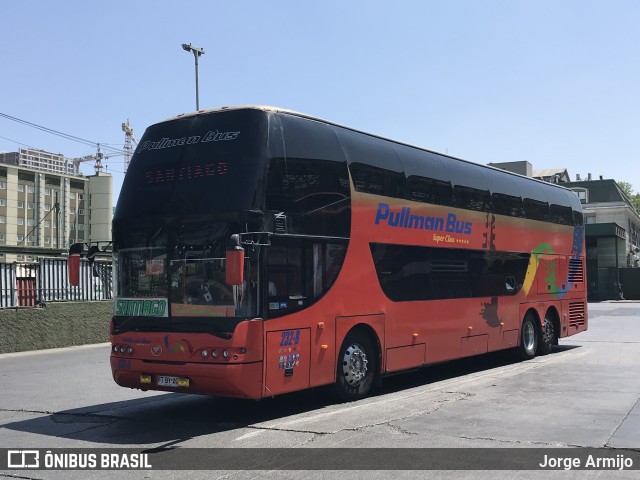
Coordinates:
[315,194]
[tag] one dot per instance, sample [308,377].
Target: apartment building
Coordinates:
[43,208]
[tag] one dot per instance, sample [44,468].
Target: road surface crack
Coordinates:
[519,442]
[436,406]
[608,442]
[9,475]
[293,430]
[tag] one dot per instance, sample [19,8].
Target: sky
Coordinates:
[555,83]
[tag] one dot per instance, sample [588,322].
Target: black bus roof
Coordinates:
[528,187]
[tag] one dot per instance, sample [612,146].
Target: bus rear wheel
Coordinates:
[357,367]
[528,338]
[548,337]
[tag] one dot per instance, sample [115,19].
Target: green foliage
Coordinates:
[627,188]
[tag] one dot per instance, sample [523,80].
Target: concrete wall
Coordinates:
[56,325]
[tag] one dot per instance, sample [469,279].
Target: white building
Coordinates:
[51,162]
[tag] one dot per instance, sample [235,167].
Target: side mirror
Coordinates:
[235,262]
[91,253]
[75,249]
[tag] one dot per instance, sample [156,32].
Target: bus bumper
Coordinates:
[222,380]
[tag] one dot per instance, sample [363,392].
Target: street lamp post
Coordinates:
[196,53]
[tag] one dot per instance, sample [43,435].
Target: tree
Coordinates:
[627,189]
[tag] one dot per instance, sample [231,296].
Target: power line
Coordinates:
[57,133]
[48,130]
[19,143]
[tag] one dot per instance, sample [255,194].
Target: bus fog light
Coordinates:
[225,353]
[214,354]
[129,350]
[204,354]
[115,349]
[122,349]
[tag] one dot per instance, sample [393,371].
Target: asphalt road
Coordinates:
[586,394]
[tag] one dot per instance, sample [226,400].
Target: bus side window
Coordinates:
[300,272]
[277,271]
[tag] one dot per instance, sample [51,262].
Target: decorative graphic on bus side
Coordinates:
[551,277]
[489,237]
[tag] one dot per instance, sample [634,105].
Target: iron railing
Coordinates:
[32,284]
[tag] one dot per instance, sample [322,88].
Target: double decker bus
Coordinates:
[259,251]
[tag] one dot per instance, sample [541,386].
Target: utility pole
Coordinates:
[56,208]
[196,53]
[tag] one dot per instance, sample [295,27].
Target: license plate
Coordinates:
[164,381]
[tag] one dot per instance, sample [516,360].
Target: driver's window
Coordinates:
[299,272]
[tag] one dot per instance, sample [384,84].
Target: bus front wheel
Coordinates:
[528,338]
[357,365]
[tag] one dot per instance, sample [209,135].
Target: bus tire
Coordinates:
[357,367]
[529,338]
[547,336]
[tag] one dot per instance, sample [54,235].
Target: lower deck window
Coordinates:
[411,273]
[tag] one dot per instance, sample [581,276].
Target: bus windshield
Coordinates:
[186,266]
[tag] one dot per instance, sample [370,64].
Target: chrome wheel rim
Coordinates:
[354,364]
[529,337]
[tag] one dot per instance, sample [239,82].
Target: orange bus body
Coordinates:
[262,361]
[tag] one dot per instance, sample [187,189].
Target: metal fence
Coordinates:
[32,284]
[8,287]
